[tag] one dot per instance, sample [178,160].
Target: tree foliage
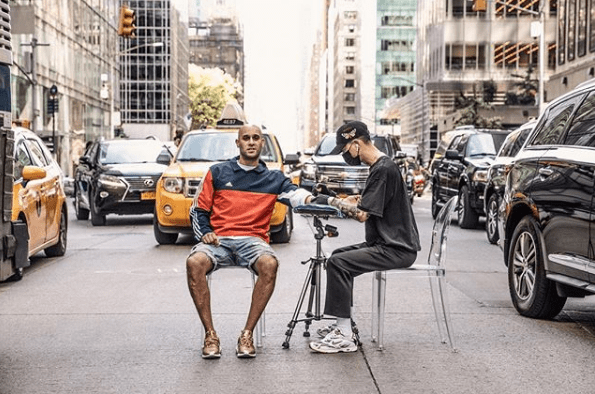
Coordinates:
[209,89]
[468,107]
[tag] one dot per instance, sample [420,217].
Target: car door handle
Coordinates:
[545,171]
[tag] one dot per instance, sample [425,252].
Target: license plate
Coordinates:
[147,195]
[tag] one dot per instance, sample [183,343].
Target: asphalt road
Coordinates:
[114,316]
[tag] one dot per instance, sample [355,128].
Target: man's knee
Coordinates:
[198,264]
[266,266]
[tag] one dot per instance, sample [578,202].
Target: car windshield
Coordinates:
[484,144]
[218,146]
[329,142]
[137,151]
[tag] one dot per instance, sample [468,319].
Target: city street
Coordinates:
[114,316]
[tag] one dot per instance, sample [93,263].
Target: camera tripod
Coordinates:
[311,285]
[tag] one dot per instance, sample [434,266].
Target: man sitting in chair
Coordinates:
[392,239]
[230,216]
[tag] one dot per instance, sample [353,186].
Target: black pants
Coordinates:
[347,262]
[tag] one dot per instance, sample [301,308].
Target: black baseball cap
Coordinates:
[348,132]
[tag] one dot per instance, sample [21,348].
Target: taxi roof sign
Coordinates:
[232,116]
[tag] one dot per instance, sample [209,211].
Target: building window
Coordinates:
[571,29]
[454,57]
[349,69]
[350,14]
[349,42]
[396,45]
[351,28]
[581,49]
[349,97]
[592,27]
[458,8]
[349,110]
[350,56]
[562,33]
[397,20]
[350,83]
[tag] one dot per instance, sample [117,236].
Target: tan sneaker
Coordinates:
[245,348]
[212,346]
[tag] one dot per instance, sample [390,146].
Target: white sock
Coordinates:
[344,324]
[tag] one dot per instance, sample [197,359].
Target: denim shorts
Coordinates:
[235,252]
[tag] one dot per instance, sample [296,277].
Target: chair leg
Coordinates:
[440,304]
[381,308]
[437,305]
[446,312]
[375,296]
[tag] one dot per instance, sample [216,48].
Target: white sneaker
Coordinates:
[335,342]
[323,332]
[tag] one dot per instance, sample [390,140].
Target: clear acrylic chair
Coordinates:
[259,329]
[434,269]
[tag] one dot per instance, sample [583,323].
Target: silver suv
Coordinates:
[335,173]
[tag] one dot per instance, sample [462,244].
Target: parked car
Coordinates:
[199,150]
[118,177]
[463,171]
[332,170]
[38,198]
[548,212]
[497,177]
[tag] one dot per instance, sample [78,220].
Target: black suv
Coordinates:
[336,174]
[463,171]
[548,212]
[118,176]
[494,189]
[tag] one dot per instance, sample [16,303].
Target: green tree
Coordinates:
[468,108]
[209,89]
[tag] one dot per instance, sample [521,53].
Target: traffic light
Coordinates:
[126,21]
[479,5]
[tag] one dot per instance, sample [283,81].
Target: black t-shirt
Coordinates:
[391,221]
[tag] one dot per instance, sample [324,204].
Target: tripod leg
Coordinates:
[294,319]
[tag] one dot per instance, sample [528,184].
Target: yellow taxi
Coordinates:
[199,150]
[38,197]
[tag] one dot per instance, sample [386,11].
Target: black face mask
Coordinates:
[352,161]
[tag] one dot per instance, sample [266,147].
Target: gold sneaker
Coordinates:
[245,348]
[212,346]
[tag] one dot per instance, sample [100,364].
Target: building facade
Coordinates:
[395,57]
[460,50]
[575,51]
[70,44]
[154,72]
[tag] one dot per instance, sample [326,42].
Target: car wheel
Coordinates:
[533,295]
[96,218]
[468,218]
[161,237]
[59,249]
[284,235]
[435,196]
[492,219]
[81,213]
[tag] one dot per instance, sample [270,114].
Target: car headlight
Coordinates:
[480,176]
[110,181]
[173,185]
[309,171]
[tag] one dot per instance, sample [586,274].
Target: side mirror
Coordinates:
[452,154]
[85,160]
[291,159]
[31,173]
[164,157]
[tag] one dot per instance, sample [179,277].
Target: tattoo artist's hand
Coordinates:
[210,238]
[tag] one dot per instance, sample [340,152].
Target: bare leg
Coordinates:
[266,267]
[197,267]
